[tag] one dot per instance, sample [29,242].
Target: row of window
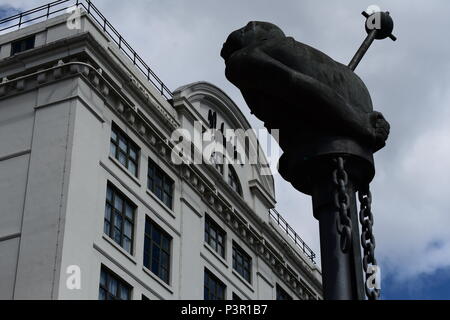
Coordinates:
[215,237]
[214,289]
[119,225]
[112,287]
[124,150]
[23,45]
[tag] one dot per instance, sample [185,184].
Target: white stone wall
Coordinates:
[35,139]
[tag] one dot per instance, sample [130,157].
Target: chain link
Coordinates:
[367,239]
[342,203]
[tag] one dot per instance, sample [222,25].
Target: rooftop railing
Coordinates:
[282,223]
[44,12]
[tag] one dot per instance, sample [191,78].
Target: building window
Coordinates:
[233,180]
[119,218]
[112,287]
[242,262]
[160,184]
[215,236]
[124,150]
[282,295]
[214,289]
[157,250]
[22,45]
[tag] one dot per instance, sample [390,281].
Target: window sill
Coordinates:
[247,284]
[162,204]
[119,248]
[157,279]
[125,170]
[214,253]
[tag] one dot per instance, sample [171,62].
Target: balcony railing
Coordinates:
[282,223]
[44,12]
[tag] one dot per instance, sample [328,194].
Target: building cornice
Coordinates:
[257,189]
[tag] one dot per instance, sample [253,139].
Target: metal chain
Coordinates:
[368,240]
[342,203]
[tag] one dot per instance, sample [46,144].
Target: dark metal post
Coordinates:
[342,275]
[336,265]
[355,252]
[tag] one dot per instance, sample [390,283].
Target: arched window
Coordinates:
[233,180]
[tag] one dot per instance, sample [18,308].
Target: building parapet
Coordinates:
[44,12]
[284,225]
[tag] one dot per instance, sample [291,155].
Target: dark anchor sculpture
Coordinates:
[328,132]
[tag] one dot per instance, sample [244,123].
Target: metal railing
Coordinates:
[44,12]
[282,223]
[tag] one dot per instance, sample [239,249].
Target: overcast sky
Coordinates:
[409,81]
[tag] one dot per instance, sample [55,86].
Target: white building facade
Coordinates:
[92,204]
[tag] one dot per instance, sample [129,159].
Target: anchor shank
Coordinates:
[362,50]
[342,272]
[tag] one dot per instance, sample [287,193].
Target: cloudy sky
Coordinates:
[409,81]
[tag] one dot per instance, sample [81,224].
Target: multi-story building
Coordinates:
[92,203]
